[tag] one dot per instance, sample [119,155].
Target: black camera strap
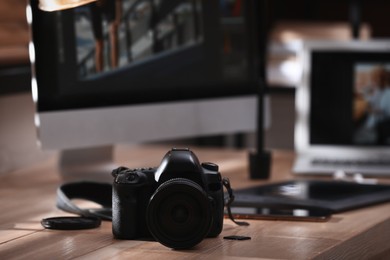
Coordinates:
[100,193]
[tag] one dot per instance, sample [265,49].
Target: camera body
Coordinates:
[178,203]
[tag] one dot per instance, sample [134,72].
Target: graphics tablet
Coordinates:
[335,196]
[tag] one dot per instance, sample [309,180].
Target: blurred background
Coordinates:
[288,23]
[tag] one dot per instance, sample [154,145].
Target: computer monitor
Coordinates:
[169,69]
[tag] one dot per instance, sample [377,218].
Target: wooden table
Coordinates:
[28,195]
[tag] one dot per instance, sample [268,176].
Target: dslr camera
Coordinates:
[178,203]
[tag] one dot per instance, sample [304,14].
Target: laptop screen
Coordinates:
[349,98]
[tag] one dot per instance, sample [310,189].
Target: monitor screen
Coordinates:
[159,51]
[141,70]
[352,106]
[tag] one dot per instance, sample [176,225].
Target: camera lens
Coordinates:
[179,214]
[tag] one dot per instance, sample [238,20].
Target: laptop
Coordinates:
[343,108]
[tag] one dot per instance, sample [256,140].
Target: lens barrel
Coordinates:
[179,214]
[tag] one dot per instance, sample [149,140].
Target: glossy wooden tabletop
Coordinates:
[28,195]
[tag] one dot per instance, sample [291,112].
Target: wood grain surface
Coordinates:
[28,195]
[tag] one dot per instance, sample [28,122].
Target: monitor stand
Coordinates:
[87,164]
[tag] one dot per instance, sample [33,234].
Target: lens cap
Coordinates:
[70,223]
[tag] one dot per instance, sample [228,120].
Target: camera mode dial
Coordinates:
[210,166]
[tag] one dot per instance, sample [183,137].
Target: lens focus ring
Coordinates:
[179,213]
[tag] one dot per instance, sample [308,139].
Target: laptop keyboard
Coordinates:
[326,165]
[352,163]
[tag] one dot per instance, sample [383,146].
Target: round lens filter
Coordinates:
[71,223]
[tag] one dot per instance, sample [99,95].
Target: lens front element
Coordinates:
[179,214]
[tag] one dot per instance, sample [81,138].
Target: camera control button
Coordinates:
[180,149]
[133,177]
[210,166]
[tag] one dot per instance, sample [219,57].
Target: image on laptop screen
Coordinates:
[371,105]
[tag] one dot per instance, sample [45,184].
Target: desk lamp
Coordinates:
[56,5]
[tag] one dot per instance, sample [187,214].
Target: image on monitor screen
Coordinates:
[116,34]
[103,55]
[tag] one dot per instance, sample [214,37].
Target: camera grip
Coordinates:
[124,213]
[217,212]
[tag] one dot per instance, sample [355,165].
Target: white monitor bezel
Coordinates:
[146,122]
